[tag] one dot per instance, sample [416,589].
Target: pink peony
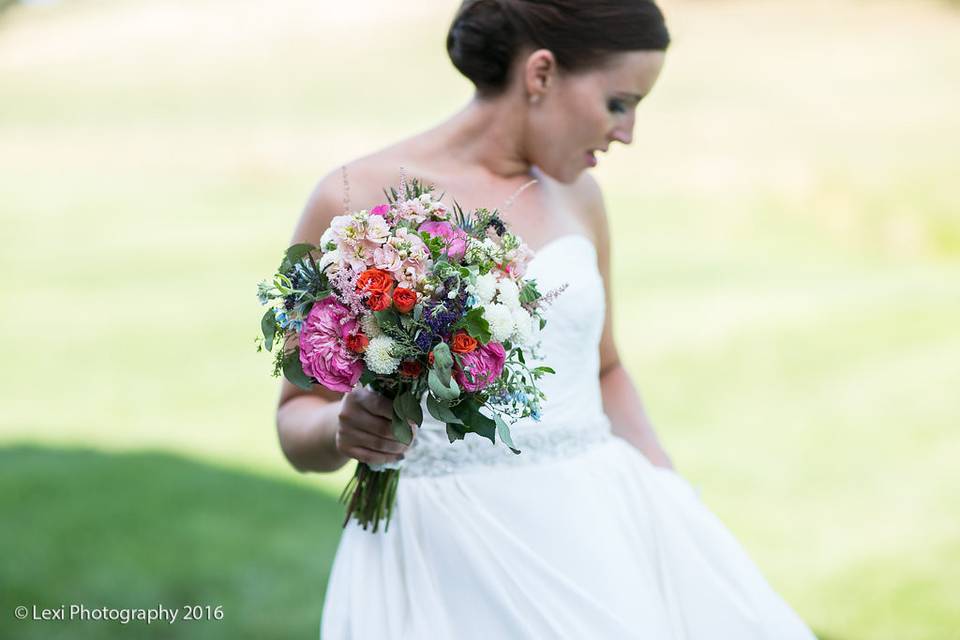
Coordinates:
[323,349]
[485,365]
[455,237]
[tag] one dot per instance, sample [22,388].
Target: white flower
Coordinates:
[525,329]
[509,293]
[370,326]
[326,238]
[500,319]
[486,288]
[329,258]
[379,355]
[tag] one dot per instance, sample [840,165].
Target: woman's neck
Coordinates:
[485,134]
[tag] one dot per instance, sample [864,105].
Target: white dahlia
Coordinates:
[500,319]
[379,355]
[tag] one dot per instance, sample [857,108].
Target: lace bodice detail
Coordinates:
[573,416]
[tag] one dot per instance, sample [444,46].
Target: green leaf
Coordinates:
[386,318]
[407,406]
[520,356]
[480,424]
[455,432]
[268,325]
[542,370]
[529,292]
[440,411]
[443,392]
[503,430]
[476,325]
[402,430]
[295,254]
[293,371]
[443,363]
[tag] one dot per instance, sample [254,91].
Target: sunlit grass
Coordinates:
[786,272]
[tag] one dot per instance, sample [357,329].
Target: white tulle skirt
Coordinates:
[600,545]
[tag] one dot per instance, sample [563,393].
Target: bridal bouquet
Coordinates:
[412,299]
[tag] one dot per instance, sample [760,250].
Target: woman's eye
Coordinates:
[616,106]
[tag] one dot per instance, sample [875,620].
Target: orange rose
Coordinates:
[357,342]
[463,343]
[375,281]
[410,369]
[378,301]
[404,299]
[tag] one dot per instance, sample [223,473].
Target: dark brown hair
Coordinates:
[486,35]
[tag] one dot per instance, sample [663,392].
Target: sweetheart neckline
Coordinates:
[559,239]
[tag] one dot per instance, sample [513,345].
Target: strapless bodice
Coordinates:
[572,414]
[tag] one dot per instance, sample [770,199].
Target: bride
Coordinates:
[589,533]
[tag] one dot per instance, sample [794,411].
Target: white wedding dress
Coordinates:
[579,537]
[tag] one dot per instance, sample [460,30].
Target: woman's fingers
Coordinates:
[375,443]
[374,403]
[370,456]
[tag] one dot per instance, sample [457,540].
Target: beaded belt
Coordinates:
[536,444]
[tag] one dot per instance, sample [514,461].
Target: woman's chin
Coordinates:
[564,174]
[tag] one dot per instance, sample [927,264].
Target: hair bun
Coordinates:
[487,35]
[482,43]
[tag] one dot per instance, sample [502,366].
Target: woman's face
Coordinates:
[576,115]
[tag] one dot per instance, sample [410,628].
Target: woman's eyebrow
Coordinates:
[636,97]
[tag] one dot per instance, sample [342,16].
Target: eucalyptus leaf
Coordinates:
[402,430]
[440,411]
[408,407]
[268,325]
[503,430]
[443,392]
[469,413]
[455,432]
[293,371]
[443,363]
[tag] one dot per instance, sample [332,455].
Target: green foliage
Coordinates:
[407,411]
[476,325]
[293,370]
[268,325]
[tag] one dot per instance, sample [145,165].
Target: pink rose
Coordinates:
[323,346]
[455,237]
[485,364]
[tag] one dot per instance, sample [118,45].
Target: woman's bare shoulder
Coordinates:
[355,184]
[586,199]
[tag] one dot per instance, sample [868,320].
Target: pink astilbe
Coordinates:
[344,284]
[546,299]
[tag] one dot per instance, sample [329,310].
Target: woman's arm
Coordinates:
[307,421]
[621,400]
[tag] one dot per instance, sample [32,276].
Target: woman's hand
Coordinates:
[364,432]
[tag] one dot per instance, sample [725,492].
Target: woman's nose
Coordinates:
[623,134]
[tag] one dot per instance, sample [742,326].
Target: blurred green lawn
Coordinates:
[787,278]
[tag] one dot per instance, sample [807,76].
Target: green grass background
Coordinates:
[787,273]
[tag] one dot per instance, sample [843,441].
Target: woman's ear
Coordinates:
[539,72]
